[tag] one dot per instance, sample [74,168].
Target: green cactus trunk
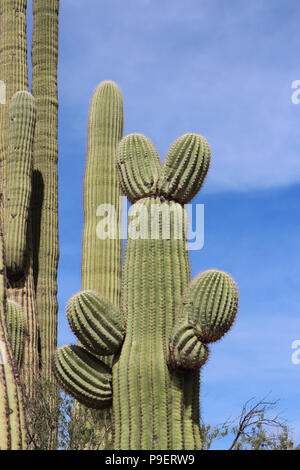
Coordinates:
[156,273]
[14,73]
[45,195]
[12,421]
[102,257]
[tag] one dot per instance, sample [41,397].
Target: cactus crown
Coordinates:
[179,179]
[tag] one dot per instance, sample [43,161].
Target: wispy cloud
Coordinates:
[218,68]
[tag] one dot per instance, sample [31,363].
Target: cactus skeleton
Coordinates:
[167,320]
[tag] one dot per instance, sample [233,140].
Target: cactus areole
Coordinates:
[159,339]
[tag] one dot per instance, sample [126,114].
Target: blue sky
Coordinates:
[223,69]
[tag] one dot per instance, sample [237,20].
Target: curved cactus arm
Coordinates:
[18,176]
[82,375]
[208,310]
[185,168]
[186,351]
[139,167]
[15,321]
[96,322]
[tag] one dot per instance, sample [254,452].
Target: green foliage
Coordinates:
[53,423]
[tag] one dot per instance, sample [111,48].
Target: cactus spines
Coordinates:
[139,167]
[83,376]
[97,324]
[44,56]
[186,165]
[18,178]
[15,321]
[155,374]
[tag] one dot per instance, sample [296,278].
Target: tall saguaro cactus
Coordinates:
[102,254]
[14,73]
[45,197]
[160,335]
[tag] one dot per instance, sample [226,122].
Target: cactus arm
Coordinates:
[139,167]
[96,323]
[15,321]
[44,56]
[155,403]
[13,60]
[18,176]
[102,258]
[185,168]
[83,376]
[186,351]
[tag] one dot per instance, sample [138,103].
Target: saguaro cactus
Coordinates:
[45,194]
[160,336]
[16,138]
[102,254]
[17,178]
[13,59]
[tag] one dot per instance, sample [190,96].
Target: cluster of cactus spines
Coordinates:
[155,373]
[18,183]
[84,376]
[96,322]
[44,57]
[12,420]
[15,321]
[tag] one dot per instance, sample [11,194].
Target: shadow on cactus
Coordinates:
[160,336]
